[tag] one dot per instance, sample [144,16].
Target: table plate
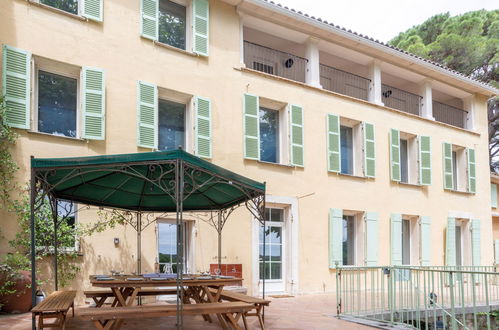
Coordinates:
[134,279]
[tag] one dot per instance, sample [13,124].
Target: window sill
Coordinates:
[55,10]
[464,192]
[179,50]
[276,164]
[351,176]
[57,136]
[417,185]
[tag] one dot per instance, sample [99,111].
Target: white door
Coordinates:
[272,267]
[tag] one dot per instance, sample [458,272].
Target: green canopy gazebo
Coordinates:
[169,181]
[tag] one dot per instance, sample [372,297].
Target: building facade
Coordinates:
[371,156]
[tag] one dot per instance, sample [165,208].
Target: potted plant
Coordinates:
[15,284]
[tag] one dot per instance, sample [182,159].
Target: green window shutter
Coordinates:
[333,143]
[147,115]
[448,170]
[424,144]
[297,145]
[496,250]
[149,19]
[371,239]
[251,108]
[425,227]
[203,127]
[335,237]
[493,194]
[201,27]
[16,75]
[94,104]
[92,9]
[396,239]
[471,170]
[395,155]
[369,150]
[475,242]
[450,242]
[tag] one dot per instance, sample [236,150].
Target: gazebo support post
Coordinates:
[139,243]
[179,197]
[33,248]
[219,230]
[54,217]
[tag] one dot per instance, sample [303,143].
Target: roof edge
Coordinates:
[489,89]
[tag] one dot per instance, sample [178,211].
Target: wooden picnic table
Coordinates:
[200,291]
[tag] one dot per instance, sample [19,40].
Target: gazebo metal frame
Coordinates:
[179,176]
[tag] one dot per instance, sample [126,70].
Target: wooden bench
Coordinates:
[258,303]
[55,306]
[104,317]
[100,296]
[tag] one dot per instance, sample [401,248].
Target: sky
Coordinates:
[384,19]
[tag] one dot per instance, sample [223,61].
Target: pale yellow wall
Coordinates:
[115,46]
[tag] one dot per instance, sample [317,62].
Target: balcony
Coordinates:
[343,82]
[448,114]
[401,100]
[274,62]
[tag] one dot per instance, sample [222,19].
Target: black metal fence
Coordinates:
[401,100]
[450,115]
[345,83]
[274,62]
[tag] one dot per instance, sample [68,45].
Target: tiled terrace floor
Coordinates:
[302,312]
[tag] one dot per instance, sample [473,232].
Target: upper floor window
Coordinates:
[351,147]
[91,9]
[459,168]
[169,119]
[172,19]
[273,131]
[70,6]
[67,100]
[269,135]
[182,24]
[410,158]
[57,103]
[171,130]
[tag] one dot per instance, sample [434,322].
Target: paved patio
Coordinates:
[302,312]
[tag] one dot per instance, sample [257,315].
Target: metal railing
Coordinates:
[274,62]
[345,83]
[450,115]
[401,100]
[422,297]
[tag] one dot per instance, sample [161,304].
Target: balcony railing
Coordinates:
[274,62]
[401,100]
[450,115]
[345,83]
[424,297]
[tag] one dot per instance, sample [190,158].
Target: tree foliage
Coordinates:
[467,43]
[8,166]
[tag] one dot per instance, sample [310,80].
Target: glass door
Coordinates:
[274,251]
[167,247]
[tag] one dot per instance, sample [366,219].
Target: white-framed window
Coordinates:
[459,165]
[174,22]
[174,120]
[463,242]
[57,93]
[411,240]
[408,158]
[272,119]
[182,24]
[351,147]
[353,238]
[91,9]
[273,131]
[67,213]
